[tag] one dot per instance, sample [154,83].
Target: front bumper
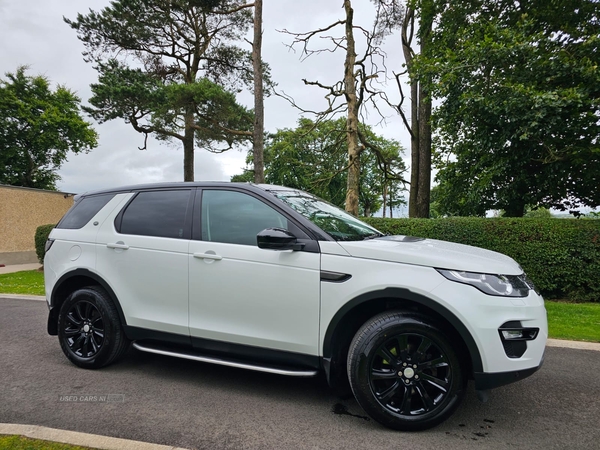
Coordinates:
[485,317]
[485,380]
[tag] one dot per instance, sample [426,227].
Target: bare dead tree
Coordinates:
[351,94]
[258,142]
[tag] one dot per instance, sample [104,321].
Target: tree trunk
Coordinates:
[424,184]
[420,111]
[259,126]
[352,121]
[391,203]
[515,210]
[384,199]
[407,30]
[188,146]
[414,149]
[27,177]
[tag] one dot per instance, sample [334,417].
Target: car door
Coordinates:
[242,294]
[143,254]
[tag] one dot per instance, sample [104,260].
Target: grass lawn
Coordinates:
[11,442]
[28,282]
[575,321]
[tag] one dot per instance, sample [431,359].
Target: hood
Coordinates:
[433,253]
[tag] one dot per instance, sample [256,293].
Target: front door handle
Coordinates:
[120,245]
[208,256]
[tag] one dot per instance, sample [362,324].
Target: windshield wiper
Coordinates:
[373,236]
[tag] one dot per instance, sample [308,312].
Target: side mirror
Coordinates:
[277,239]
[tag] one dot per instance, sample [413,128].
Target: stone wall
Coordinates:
[22,210]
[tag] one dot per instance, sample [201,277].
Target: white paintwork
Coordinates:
[434,253]
[57,261]
[251,296]
[149,275]
[369,275]
[332,248]
[481,314]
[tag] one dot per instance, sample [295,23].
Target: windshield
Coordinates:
[340,225]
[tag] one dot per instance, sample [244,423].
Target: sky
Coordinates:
[33,33]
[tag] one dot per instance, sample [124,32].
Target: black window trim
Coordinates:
[187,227]
[311,243]
[78,201]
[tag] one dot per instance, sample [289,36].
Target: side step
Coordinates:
[224,362]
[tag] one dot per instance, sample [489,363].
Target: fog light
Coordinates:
[512,334]
[514,331]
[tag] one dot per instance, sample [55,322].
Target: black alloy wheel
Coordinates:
[410,375]
[404,372]
[89,329]
[84,329]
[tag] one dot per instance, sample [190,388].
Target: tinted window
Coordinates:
[158,213]
[83,211]
[236,218]
[337,223]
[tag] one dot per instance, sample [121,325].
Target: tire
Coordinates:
[89,329]
[404,372]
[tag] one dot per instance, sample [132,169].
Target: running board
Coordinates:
[224,362]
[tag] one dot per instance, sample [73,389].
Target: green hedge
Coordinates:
[561,256]
[41,236]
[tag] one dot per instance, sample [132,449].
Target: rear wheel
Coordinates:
[404,373]
[89,329]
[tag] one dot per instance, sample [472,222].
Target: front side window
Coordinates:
[236,218]
[83,211]
[157,213]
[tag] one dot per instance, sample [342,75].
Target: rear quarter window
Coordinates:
[83,211]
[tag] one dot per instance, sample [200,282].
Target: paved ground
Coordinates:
[193,405]
[19,268]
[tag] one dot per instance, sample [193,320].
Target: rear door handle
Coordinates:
[121,245]
[208,256]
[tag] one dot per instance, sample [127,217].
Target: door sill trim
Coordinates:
[224,362]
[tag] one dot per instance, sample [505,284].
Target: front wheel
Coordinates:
[89,329]
[404,372]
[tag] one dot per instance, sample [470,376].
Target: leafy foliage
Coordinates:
[171,69]
[519,121]
[41,236]
[313,157]
[122,90]
[561,256]
[38,127]
[540,213]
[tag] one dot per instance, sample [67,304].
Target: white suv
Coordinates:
[273,279]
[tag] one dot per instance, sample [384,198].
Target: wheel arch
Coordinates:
[70,282]
[345,323]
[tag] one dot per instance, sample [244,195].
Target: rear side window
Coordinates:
[83,211]
[157,213]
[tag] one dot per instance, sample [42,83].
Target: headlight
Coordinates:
[500,285]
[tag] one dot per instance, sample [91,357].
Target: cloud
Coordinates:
[37,36]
